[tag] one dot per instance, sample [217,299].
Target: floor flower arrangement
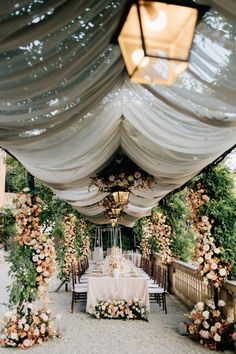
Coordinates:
[30,325]
[209,327]
[121,309]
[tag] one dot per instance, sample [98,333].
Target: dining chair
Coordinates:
[78,290]
[158,290]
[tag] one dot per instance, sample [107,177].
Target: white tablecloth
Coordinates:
[109,288]
[97,254]
[134,257]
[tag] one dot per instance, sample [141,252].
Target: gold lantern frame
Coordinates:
[172,60]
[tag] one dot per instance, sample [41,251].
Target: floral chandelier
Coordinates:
[119,178]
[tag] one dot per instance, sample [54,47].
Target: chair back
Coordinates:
[73,276]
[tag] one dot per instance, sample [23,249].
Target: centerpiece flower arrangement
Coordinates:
[209,327]
[32,264]
[121,309]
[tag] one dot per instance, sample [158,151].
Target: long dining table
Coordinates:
[132,283]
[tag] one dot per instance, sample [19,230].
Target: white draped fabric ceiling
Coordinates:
[66,104]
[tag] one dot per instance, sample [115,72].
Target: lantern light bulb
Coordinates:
[159,23]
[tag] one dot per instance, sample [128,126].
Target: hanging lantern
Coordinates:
[121,197]
[156,39]
[114,221]
[116,211]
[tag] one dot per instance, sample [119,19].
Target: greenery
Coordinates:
[16,175]
[7,226]
[23,288]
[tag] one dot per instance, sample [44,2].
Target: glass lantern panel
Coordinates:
[159,71]
[167,27]
[130,41]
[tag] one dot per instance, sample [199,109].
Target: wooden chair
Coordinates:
[78,290]
[158,291]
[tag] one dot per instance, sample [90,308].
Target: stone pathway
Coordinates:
[82,334]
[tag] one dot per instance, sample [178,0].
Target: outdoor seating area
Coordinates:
[118,176]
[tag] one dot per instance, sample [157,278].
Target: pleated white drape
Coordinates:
[66,105]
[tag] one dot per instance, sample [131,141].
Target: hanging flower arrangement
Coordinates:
[84,238]
[69,256]
[124,174]
[33,261]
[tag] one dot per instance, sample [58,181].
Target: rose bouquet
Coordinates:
[121,309]
[209,327]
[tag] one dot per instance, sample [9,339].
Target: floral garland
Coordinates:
[121,309]
[124,174]
[25,325]
[209,327]
[156,229]
[84,238]
[69,246]
[210,266]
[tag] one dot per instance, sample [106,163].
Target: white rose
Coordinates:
[206,248]
[217,250]
[206,324]
[200,260]
[208,255]
[14,336]
[26,327]
[222,272]
[217,337]
[205,314]
[200,306]
[221,303]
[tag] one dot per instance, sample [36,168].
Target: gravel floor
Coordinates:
[85,335]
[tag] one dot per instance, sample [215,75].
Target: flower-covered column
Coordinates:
[32,264]
[84,238]
[68,252]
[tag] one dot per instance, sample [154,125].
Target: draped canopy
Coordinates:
[66,104]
